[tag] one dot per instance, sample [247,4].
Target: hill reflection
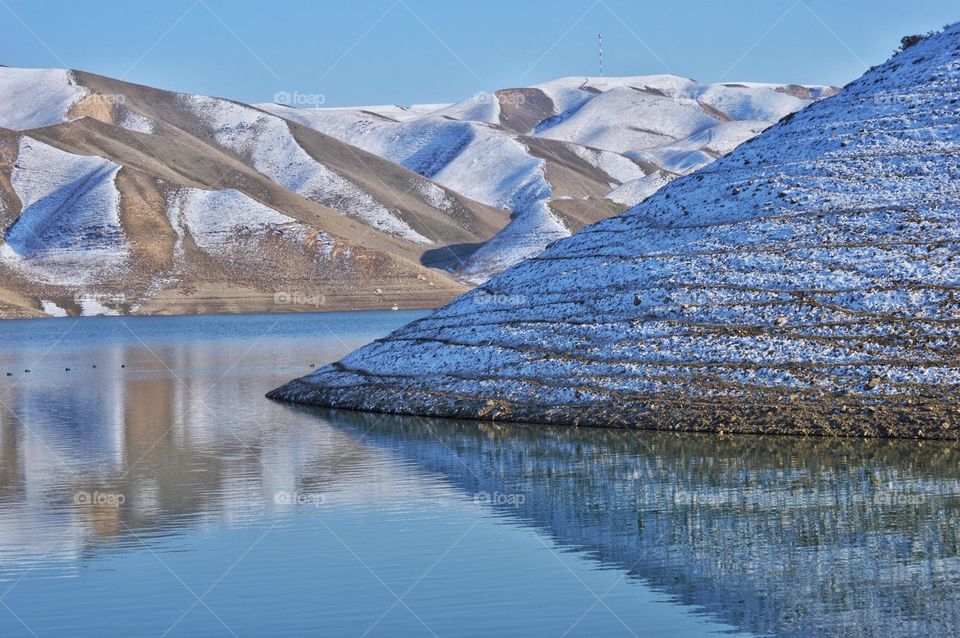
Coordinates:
[773,535]
[770,535]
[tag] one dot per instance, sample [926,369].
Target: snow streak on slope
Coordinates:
[483,107]
[222,221]
[617,166]
[267,141]
[33,98]
[474,159]
[524,237]
[68,232]
[807,282]
[639,189]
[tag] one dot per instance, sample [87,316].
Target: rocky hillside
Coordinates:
[563,154]
[805,283]
[118,198]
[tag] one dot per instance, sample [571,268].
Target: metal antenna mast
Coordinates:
[600,50]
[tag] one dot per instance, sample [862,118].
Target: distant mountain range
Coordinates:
[805,283]
[117,198]
[565,153]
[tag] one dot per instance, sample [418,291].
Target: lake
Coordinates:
[152,490]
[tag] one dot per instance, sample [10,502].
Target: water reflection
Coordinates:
[773,536]
[170,426]
[776,536]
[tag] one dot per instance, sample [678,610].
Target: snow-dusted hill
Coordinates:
[805,283]
[146,201]
[574,140]
[118,198]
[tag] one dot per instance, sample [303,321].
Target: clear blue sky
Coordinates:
[408,51]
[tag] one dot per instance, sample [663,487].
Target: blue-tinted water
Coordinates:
[160,494]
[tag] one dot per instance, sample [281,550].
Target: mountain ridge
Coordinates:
[163,145]
[596,144]
[467,190]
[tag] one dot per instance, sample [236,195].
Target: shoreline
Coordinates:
[849,416]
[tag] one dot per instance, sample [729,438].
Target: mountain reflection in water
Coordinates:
[773,535]
[762,535]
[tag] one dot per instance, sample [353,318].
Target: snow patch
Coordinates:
[218,220]
[268,142]
[92,307]
[68,232]
[52,309]
[133,121]
[634,192]
[33,98]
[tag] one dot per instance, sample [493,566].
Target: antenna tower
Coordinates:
[600,51]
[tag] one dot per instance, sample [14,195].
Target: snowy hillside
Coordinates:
[127,195]
[625,137]
[273,150]
[805,283]
[119,198]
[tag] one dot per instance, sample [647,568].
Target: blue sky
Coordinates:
[408,51]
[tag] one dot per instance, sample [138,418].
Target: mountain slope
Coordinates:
[565,153]
[805,283]
[108,193]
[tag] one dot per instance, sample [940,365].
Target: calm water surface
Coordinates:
[159,494]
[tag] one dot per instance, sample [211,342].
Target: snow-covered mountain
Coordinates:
[806,283]
[565,153]
[118,198]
